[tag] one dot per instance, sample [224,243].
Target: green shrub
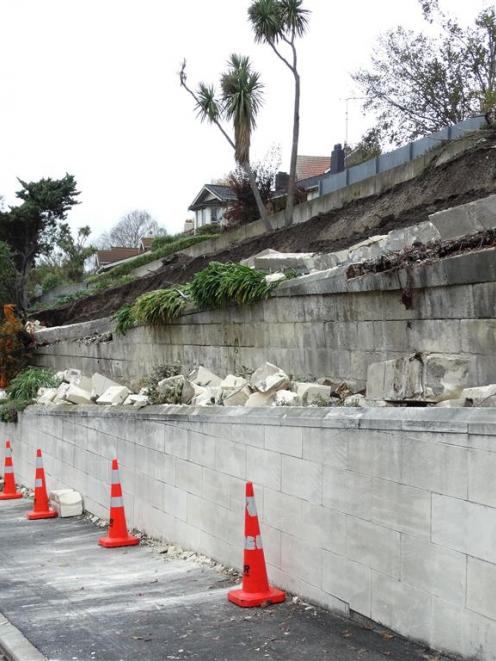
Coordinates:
[160,306]
[151,385]
[24,386]
[125,320]
[221,284]
[10,408]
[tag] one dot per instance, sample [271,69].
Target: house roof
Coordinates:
[311,166]
[221,193]
[115,254]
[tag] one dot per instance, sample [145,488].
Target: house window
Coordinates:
[213,215]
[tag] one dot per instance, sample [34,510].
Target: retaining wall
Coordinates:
[318,325]
[388,512]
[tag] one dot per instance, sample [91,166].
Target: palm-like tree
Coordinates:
[239,102]
[278,22]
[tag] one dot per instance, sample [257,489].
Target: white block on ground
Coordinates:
[269,378]
[66,502]
[114,396]
[77,395]
[201,376]
[313,393]
[100,383]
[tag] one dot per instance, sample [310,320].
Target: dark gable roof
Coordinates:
[222,193]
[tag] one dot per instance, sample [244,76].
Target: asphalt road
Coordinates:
[76,601]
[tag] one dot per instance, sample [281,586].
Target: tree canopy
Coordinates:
[279,23]
[133,227]
[417,84]
[33,228]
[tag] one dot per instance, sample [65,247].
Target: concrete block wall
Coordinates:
[390,513]
[315,326]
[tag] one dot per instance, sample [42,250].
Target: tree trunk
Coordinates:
[294,153]
[258,198]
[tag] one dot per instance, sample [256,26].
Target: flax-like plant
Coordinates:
[124,319]
[160,306]
[24,386]
[222,284]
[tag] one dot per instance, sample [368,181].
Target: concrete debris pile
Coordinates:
[269,385]
[429,379]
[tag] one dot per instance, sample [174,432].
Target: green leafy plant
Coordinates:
[124,319]
[24,386]
[220,284]
[160,306]
[10,409]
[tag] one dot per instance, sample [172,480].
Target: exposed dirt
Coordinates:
[468,177]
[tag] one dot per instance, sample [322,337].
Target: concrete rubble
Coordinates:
[66,502]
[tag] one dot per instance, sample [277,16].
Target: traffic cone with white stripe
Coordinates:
[255,590]
[9,488]
[117,531]
[41,510]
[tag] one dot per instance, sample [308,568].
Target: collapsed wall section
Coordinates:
[388,512]
[320,325]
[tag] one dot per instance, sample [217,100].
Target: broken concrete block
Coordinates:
[279,261]
[206,398]
[261,399]
[362,401]
[419,377]
[286,398]
[137,401]
[100,383]
[272,278]
[250,261]
[66,502]
[60,394]
[176,389]
[232,382]
[479,396]
[46,395]
[405,237]
[313,393]
[78,379]
[201,376]
[269,378]
[452,403]
[77,395]
[237,397]
[114,396]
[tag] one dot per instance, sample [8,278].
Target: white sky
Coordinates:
[90,87]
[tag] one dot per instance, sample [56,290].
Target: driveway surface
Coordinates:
[76,601]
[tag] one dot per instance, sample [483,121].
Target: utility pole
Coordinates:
[347,114]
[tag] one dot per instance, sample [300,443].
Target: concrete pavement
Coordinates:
[76,601]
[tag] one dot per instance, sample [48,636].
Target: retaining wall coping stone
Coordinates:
[456,421]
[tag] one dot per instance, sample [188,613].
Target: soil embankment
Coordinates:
[468,177]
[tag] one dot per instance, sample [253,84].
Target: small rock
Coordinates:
[60,394]
[46,395]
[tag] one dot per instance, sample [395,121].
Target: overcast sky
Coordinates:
[90,87]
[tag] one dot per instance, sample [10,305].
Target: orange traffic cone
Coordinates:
[117,532]
[9,487]
[41,510]
[256,589]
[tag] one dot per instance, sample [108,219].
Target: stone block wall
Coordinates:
[390,513]
[315,326]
